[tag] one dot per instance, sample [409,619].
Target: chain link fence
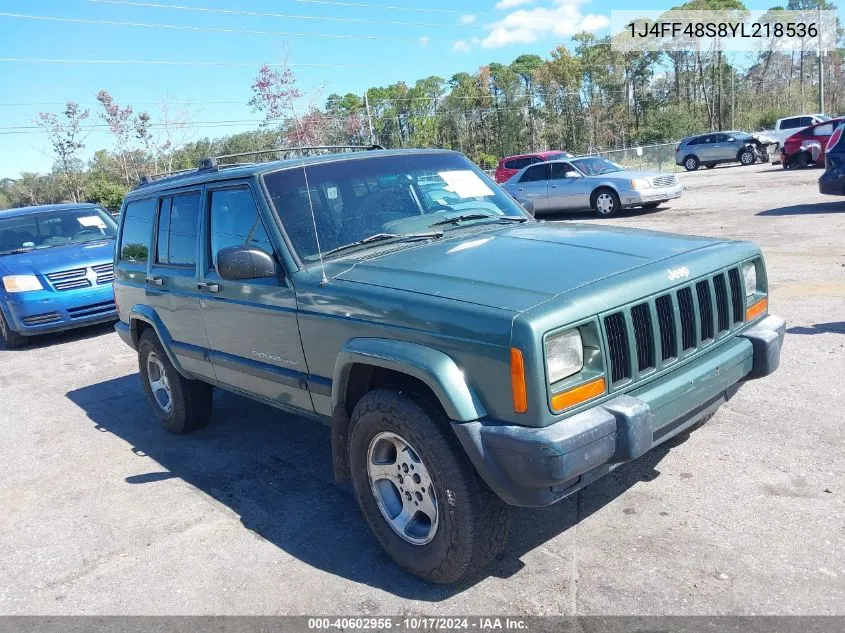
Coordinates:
[659,157]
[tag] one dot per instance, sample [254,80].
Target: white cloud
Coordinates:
[424,40]
[510,4]
[526,26]
[467,19]
[461,46]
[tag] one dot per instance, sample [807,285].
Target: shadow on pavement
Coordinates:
[835,327]
[68,336]
[274,470]
[806,209]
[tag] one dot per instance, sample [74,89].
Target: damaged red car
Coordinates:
[806,148]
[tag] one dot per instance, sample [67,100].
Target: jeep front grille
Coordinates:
[693,315]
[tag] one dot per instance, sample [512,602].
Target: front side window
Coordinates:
[393,198]
[177,230]
[47,229]
[559,170]
[234,221]
[138,220]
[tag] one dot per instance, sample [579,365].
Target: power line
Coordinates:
[203,29]
[288,16]
[385,7]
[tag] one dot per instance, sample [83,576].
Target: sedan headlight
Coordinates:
[640,183]
[749,275]
[564,355]
[21,283]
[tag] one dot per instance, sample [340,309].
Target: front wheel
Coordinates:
[180,404]
[747,157]
[418,491]
[11,339]
[606,203]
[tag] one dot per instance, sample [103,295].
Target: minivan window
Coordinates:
[177,230]
[137,230]
[234,221]
[60,227]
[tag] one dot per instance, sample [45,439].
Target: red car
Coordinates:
[509,166]
[806,147]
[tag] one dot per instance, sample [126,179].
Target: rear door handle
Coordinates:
[154,281]
[207,287]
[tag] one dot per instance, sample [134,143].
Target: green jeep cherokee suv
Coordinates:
[466,356]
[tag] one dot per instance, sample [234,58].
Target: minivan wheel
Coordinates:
[180,404]
[418,491]
[11,339]
[690,163]
[606,203]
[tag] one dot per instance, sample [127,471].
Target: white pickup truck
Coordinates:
[786,127]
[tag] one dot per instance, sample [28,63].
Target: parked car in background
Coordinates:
[807,147]
[715,148]
[509,166]
[467,358]
[591,182]
[832,181]
[787,126]
[56,270]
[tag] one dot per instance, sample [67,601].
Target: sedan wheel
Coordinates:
[606,203]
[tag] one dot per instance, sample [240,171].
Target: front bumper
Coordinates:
[633,198]
[539,466]
[45,311]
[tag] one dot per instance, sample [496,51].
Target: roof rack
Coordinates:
[212,163]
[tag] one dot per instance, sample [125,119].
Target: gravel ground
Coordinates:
[101,512]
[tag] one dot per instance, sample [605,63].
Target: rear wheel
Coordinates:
[710,166]
[180,404]
[11,339]
[418,491]
[691,163]
[606,203]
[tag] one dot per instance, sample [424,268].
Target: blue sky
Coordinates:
[439,37]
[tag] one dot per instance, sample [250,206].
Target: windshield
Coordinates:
[47,229]
[595,166]
[403,196]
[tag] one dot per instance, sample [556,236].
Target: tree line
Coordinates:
[583,97]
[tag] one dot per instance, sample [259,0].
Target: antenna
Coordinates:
[324,280]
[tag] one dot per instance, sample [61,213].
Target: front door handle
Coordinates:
[207,287]
[154,281]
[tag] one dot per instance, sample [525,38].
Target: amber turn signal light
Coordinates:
[579,394]
[520,394]
[755,310]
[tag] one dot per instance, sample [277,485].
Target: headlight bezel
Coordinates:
[14,284]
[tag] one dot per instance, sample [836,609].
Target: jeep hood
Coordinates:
[515,268]
[48,260]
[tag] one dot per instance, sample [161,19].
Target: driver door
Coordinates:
[567,188]
[252,326]
[534,185]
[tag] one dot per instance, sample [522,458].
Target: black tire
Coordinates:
[798,161]
[190,400]
[473,526]
[605,195]
[651,205]
[711,166]
[11,339]
[691,163]
[747,157]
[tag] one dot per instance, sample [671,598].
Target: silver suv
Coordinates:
[714,148]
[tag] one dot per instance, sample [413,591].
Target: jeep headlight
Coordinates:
[21,283]
[749,275]
[639,184]
[564,355]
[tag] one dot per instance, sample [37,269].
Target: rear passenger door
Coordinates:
[534,185]
[172,279]
[252,325]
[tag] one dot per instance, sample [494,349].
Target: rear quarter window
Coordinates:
[138,218]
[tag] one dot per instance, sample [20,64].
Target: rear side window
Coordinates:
[234,221]
[137,230]
[824,130]
[177,230]
[517,163]
[535,173]
[788,124]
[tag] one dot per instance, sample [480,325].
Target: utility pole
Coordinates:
[369,120]
[821,66]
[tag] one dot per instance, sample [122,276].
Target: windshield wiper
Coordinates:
[478,216]
[380,237]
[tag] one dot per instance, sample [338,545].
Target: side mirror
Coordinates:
[245,262]
[572,174]
[731,139]
[528,205]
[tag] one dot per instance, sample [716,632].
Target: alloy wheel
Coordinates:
[159,384]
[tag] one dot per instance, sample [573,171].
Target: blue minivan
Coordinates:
[56,270]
